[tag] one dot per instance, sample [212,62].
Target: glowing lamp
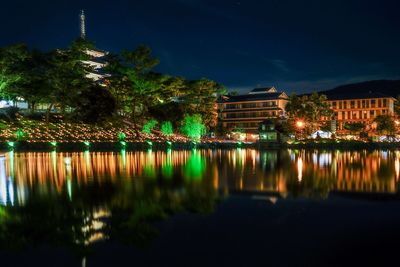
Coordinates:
[169,143]
[53,144]
[150,143]
[11,144]
[299,124]
[87,143]
[123,143]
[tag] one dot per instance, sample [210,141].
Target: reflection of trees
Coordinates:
[122,211]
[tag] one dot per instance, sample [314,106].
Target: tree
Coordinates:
[200,97]
[385,124]
[193,126]
[354,127]
[66,77]
[132,84]
[310,108]
[397,106]
[149,126]
[166,128]
[12,69]
[95,104]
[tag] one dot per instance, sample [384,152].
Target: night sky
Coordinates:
[297,46]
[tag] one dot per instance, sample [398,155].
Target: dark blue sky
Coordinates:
[296,46]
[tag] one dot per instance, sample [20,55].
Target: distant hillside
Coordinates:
[386,87]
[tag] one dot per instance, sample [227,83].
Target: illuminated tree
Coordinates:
[166,128]
[131,82]
[354,127]
[193,126]
[310,108]
[200,97]
[149,126]
[385,124]
[397,106]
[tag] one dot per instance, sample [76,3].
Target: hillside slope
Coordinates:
[386,87]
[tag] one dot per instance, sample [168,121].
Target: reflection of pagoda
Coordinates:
[96,59]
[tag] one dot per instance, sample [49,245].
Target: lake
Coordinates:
[240,207]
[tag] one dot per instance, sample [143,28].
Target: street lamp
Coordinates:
[300,125]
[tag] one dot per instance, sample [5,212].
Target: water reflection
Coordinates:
[98,196]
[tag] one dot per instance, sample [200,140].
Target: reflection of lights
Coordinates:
[3,182]
[397,167]
[300,169]
[67,161]
[69,188]
[11,191]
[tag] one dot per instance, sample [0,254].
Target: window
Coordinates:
[334,104]
[363,103]
[352,104]
[373,102]
[384,102]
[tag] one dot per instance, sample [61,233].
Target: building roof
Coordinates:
[355,95]
[276,108]
[253,97]
[263,90]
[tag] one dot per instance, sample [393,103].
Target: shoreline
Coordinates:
[24,146]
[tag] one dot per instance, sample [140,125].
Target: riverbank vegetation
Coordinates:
[130,97]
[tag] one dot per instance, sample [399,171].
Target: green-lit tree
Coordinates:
[200,97]
[166,128]
[149,126]
[193,126]
[67,81]
[131,82]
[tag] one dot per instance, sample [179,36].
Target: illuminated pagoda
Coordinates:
[96,60]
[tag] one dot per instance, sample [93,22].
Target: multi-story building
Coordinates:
[247,111]
[360,107]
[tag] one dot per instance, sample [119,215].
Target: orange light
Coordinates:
[299,124]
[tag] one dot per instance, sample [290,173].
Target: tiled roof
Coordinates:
[252,97]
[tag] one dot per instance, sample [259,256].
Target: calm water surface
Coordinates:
[202,207]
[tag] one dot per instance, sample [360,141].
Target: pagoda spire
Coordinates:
[83,28]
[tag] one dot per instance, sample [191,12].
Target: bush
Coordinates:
[193,126]
[149,125]
[166,128]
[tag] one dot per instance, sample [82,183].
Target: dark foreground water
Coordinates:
[200,208]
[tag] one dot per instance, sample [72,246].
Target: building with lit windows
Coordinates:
[359,107]
[247,111]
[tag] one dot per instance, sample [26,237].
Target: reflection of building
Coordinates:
[360,107]
[245,112]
